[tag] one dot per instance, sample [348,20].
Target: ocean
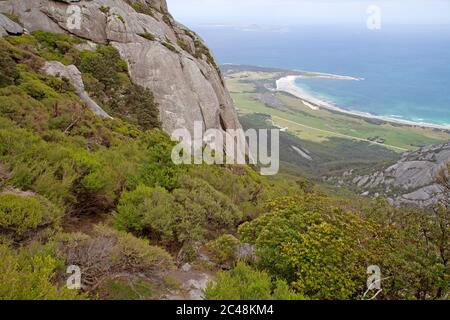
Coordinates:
[406,69]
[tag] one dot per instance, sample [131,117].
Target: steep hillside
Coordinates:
[163,56]
[87,181]
[102,193]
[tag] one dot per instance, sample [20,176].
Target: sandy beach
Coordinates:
[329,76]
[287,84]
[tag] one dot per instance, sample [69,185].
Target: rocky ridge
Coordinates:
[163,55]
[411,180]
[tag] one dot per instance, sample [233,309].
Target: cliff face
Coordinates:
[412,180]
[163,55]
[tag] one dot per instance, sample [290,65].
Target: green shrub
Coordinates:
[45,168]
[241,184]
[189,213]
[122,19]
[413,244]
[207,206]
[159,169]
[283,292]
[9,74]
[19,213]
[245,283]
[57,46]
[122,289]
[22,51]
[66,173]
[104,64]
[24,42]
[18,106]
[24,212]
[37,89]
[139,105]
[241,283]
[222,251]
[322,246]
[148,209]
[304,246]
[25,277]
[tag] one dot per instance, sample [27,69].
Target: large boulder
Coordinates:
[163,56]
[7,27]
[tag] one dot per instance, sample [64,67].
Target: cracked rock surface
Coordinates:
[412,180]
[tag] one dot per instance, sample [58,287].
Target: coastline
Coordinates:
[287,84]
[309,74]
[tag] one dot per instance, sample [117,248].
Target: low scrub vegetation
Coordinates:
[21,213]
[60,163]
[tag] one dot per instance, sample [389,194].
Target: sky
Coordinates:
[300,12]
